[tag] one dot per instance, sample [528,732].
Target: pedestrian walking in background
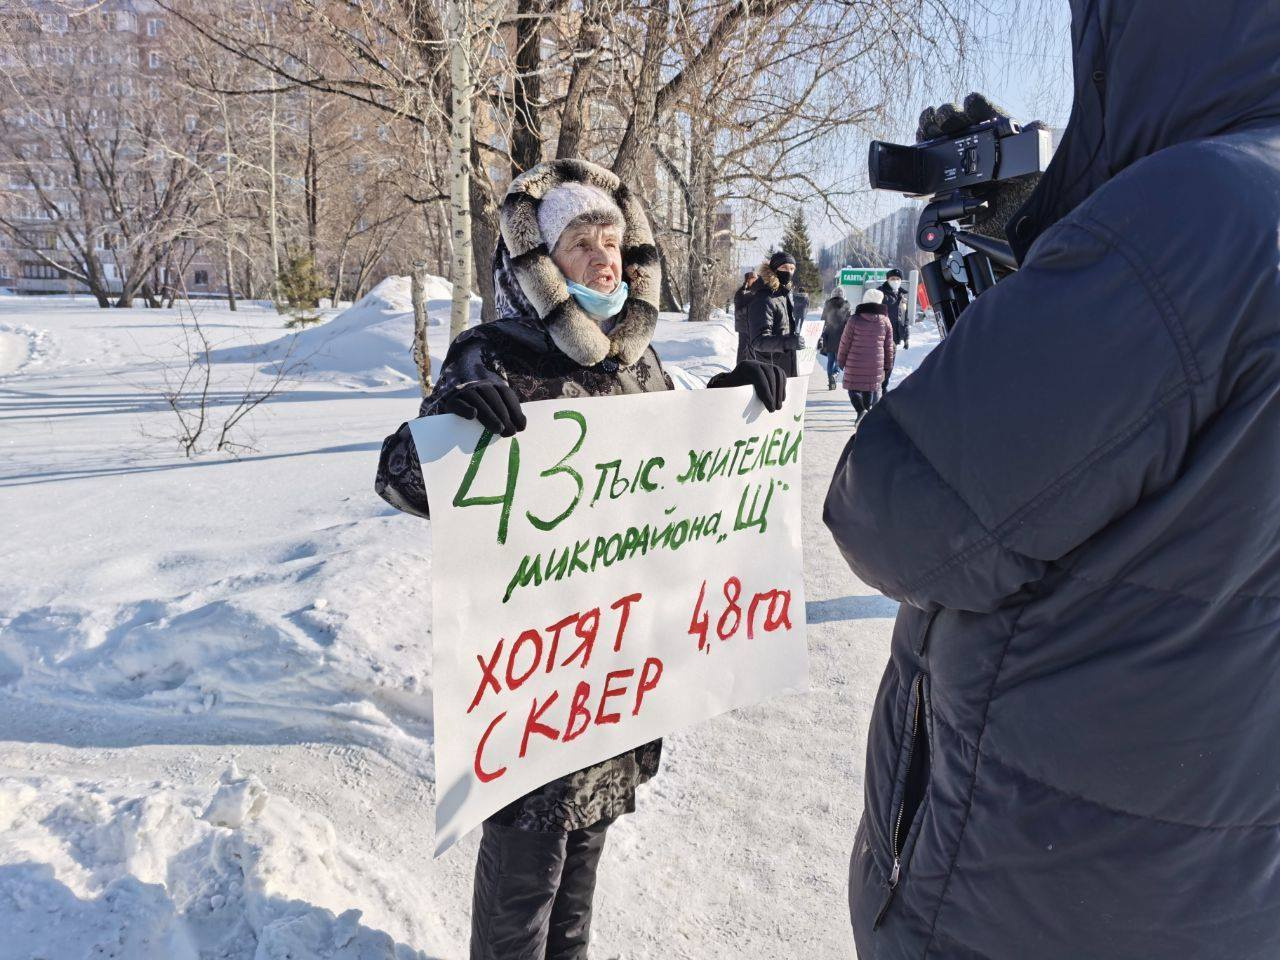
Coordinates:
[772,320]
[800,304]
[835,315]
[897,302]
[741,303]
[866,353]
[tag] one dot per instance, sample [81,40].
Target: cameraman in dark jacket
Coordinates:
[771,320]
[1073,752]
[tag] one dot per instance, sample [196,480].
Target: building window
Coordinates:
[40,271]
[154,27]
[202,278]
[190,123]
[153,60]
[126,21]
[53,22]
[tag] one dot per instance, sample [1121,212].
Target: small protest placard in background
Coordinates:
[624,567]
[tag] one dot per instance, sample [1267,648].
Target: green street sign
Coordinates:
[861,276]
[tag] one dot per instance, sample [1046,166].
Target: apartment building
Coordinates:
[109,53]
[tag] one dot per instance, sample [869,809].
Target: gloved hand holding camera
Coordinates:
[1004,197]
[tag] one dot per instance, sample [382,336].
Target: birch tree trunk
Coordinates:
[421,351]
[457,19]
[701,198]
[273,226]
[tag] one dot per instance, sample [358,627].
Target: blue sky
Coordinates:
[1026,68]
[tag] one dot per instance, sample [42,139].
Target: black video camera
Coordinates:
[988,153]
[955,172]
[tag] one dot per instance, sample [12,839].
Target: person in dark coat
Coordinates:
[573,322]
[897,302]
[835,314]
[741,303]
[799,305]
[866,353]
[1073,751]
[773,326]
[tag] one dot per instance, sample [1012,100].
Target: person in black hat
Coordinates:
[771,319]
[895,300]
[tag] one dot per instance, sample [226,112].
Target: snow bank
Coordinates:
[693,353]
[369,344]
[150,871]
[20,346]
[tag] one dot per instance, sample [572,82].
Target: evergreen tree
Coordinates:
[301,285]
[795,241]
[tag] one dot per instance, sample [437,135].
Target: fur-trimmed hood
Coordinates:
[528,283]
[767,277]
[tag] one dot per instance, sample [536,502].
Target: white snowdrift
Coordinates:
[369,345]
[150,871]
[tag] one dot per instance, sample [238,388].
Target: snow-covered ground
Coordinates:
[215,674]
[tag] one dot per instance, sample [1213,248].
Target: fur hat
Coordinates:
[781,259]
[873,296]
[566,203]
[525,247]
[894,274]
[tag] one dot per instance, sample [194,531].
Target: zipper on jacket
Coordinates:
[896,840]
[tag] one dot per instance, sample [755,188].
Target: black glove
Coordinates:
[1004,199]
[495,405]
[769,381]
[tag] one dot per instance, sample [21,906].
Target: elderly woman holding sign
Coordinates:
[576,278]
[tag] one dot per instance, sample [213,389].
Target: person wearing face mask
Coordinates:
[896,302]
[771,318]
[576,278]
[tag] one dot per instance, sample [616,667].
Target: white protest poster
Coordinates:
[623,568]
[810,331]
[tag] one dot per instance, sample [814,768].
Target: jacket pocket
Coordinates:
[910,785]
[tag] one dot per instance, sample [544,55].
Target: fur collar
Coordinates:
[571,329]
[767,277]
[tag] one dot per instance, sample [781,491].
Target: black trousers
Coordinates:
[863,400]
[533,892]
[744,345]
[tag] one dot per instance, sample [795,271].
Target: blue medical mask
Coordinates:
[601,306]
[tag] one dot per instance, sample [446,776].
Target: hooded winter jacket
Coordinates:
[545,347]
[835,314]
[866,348]
[1075,748]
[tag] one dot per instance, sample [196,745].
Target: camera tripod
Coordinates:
[953,279]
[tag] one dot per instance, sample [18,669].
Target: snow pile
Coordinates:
[394,295]
[368,345]
[258,651]
[150,871]
[21,346]
[693,353]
